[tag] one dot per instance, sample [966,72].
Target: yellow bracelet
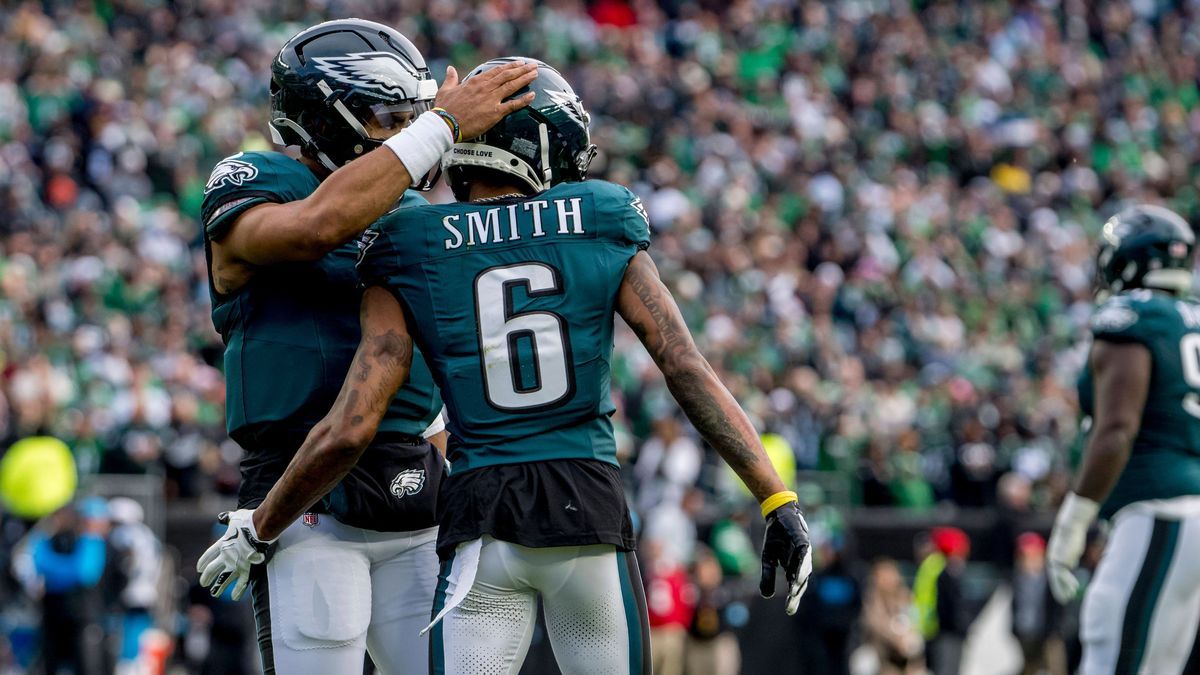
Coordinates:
[777,500]
[451,121]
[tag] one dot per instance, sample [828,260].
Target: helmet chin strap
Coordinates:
[305,139]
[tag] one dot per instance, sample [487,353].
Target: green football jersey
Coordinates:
[291,333]
[1165,461]
[512,302]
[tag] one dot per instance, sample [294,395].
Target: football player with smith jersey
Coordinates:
[359,572]
[511,295]
[1141,467]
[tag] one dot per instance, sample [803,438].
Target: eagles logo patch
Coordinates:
[1114,318]
[408,482]
[230,171]
[364,242]
[377,71]
[640,208]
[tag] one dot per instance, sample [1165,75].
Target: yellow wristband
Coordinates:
[450,121]
[777,500]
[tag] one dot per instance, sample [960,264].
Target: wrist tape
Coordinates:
[420,145]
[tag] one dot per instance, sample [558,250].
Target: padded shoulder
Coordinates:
[621,213]
[1136,316]
[247,179]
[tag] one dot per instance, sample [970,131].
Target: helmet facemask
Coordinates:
[1145,247]
[341,88]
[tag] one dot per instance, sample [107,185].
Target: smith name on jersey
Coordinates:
[512,302]
[1165,461]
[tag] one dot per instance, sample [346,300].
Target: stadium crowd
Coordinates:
[877,216]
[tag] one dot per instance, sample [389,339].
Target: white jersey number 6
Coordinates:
[508,384]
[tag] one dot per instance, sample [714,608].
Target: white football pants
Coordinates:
[1141,610]
[330,592]
[592,595]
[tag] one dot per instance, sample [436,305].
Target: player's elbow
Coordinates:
[685,367]
[318,233]
[343,442]
[1116,436]
[352,441]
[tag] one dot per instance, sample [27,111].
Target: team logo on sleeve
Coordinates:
[378,71]
[364,242]
[230,171]
[408,482]
[640,208]
[1114,318]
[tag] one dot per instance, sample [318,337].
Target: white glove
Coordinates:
[1067,541]
[796,590]
[229,559]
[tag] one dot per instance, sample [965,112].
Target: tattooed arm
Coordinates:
[334,445]
[647,306]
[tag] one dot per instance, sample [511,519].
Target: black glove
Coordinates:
[786,545]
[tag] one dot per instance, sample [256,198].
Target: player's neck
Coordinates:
[481,190]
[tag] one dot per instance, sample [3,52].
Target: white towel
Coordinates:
[462,577]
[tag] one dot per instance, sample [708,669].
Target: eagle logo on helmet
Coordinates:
[569,103]
[408,482]
[230,171]
[381,72]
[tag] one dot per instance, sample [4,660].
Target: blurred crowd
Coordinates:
[877,216]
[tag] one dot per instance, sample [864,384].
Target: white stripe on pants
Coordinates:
[1107,615]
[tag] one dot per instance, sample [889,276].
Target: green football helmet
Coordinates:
[1145,246]
[339,88]
[541,145]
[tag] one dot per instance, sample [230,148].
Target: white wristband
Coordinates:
[420,145]
[1076,512]
[1069,537]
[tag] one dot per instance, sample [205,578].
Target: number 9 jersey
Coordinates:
[1165,460]
[512,303]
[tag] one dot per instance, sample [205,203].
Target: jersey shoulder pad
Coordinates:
[1136,316]
[248,179]
[412,199]
[621,212]
[379,250]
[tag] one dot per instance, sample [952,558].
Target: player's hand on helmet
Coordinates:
[786,545]
[478,104]
[229,559]
[1066,545]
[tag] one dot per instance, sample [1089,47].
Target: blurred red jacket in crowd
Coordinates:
[670,597]
[613,13]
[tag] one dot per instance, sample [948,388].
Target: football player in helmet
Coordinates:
[358,571]
[1141,466]
[511,293]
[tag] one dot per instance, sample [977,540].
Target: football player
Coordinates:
[511,294]
[358,571]
[1141,467]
